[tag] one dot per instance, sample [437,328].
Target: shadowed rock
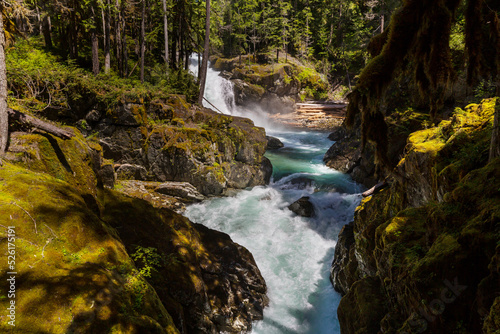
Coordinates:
[302,207]
[273,143]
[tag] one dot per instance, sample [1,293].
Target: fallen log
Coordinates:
[375,189]
[39,124]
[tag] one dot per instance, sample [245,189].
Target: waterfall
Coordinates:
[218,90]
[293,253]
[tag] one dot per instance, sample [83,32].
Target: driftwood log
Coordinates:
[375,189]
[39,124]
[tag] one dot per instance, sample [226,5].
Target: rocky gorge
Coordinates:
[98,259]
[421,256]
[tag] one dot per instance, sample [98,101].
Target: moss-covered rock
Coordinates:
[431,238]
[171,140]
[72,269]
[275,87]
[89,259]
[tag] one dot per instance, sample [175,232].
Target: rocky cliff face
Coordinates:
[422,255]
[274,87]
[170,140]
[91,260]
[347,156]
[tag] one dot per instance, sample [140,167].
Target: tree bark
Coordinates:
[47,31]
[38,123]
[165,29]
[107,39]
[95,45]
[118,39]
[204,65]
[124,43]
[95,52]
[4,117]
[143,38]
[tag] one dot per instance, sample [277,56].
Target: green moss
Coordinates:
[66,259]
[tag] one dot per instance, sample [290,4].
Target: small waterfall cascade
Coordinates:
[218,90]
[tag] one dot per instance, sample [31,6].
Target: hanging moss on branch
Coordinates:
[419,36]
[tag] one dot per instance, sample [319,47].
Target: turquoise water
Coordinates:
[293,253]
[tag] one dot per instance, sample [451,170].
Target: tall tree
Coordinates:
[165,30]
[106,18]
[204,65]
[143,39]
[95,42]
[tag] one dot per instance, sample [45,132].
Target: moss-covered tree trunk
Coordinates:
[4,117]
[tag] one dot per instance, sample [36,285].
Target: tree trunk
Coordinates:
[495,136]
[4,117]
[73,34]
[47,30]
[204,64]
[38,123]
[143,38]
[124,43]
[107,39]
[118,39]
[95,45]
[95,52]
[165,30]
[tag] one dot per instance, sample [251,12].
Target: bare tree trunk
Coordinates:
[47,31]
[95,45]
[205,56]
[165,29]
[95,53]
[107,40]
[118,39]
[4,117]
[495,136]
[124,43]
[143,38]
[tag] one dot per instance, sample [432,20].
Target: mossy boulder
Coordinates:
[431,238]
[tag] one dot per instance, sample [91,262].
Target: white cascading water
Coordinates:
[293,253]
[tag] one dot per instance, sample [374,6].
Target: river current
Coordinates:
[293,253]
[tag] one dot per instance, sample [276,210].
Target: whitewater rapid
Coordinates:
[293,253]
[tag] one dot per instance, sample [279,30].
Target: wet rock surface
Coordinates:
[302,207]
[273,143]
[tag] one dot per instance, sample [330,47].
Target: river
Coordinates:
[293,253]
